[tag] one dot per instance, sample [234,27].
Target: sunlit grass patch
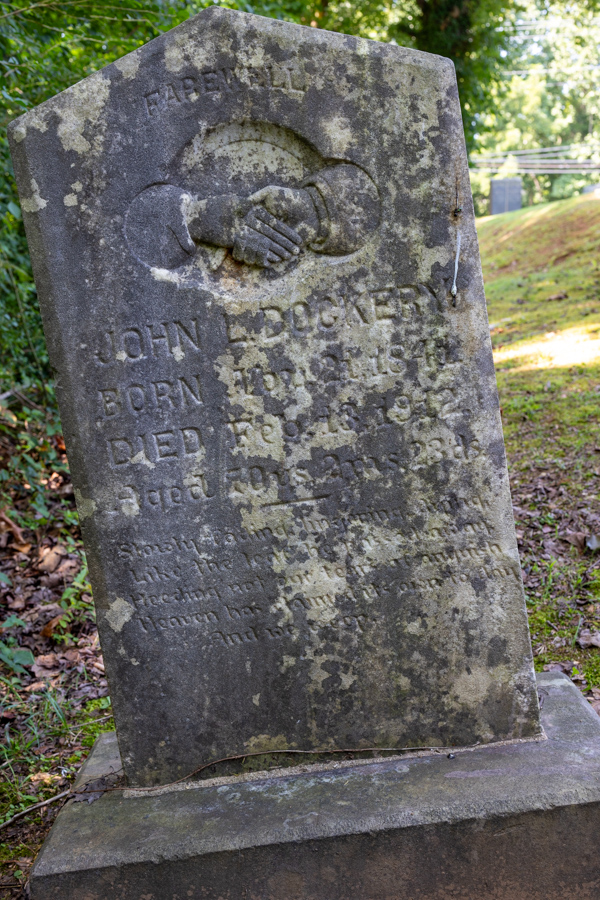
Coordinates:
[579,345]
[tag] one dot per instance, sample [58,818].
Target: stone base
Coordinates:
[517,821]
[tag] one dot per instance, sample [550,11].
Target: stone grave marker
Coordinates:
[505,195]
[255,250]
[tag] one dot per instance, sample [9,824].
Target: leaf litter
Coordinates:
[53,691]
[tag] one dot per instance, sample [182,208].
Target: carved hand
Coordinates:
[293,206]
[257,237]
[263,240]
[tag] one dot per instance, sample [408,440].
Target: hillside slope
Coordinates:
[542,276]
[541,268]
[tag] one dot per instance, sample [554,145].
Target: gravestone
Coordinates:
[505,195]
[255,250]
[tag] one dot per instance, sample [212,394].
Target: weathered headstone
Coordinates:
[505,195]
[256,256]
[255,250]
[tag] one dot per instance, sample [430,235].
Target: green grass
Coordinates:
[547,354]
[43,756]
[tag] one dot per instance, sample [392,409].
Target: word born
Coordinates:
[180,393]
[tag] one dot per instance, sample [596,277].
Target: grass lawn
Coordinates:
[542,274]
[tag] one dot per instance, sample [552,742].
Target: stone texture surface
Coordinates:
[255,250]
[503,822]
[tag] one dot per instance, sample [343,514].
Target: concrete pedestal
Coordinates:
[518,821]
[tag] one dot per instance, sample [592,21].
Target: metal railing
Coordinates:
[552,160]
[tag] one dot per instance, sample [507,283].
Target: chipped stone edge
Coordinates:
[313,768]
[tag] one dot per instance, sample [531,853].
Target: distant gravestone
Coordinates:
[256,257]
[505,195]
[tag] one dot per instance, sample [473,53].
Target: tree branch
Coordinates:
[29,809]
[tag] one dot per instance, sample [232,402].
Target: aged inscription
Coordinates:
[277,388]
[189,88]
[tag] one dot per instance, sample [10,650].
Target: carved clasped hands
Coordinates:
[269,227]
[263,240]
[290,212]
[332,212]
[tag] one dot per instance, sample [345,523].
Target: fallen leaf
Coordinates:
[595,704]
[576,538]
[22,548]
[51,626]
[593,542]
[68,567]
[587,638]
[18,602]
[48,660]
[561,296]
[50,558]
[43,779]
[565,667]
[46,665]
[66,570]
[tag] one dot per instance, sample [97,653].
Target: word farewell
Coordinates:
[188,89]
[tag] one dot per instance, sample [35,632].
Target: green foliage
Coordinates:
[15,657]
[33,454]
[78,605]
[475,34]
[550,96]
[31,754]
[44,48]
